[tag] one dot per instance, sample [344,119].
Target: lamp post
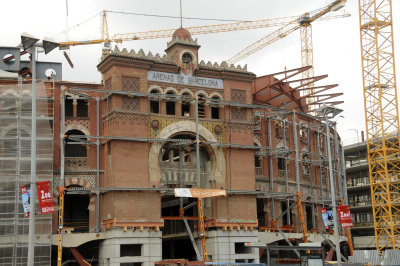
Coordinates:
[326,111]
[30,43]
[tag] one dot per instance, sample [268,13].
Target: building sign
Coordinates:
[198,192]
[26,198]
[187,80]
[44,195]
[327,217]
[344,216]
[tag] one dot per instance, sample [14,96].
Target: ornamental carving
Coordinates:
[166,121]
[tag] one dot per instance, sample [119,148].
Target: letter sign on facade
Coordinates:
[344,216]
[44,195]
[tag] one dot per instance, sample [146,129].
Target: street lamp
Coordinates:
[331,112]
[30,43]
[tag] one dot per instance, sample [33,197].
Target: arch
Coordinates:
[202,92]
[218,168]
[169,89]
[76,126]
[186,90]
[216,94]
[155,87]
[9,91]
[187,51]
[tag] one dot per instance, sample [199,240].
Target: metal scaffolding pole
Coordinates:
[31,239]
[333,193]
[97,164]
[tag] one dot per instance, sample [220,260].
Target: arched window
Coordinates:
[186,97]
[201,106]
[72,147]
[215,107]
[8,104]
[154,102]
[170,104]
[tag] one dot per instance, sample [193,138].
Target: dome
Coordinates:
[182,34]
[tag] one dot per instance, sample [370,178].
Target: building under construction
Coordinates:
[122,146]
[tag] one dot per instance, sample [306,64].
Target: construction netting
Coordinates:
[15,170]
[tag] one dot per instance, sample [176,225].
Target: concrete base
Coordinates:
[149,244]
[228,246]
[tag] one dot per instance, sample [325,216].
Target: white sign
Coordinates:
[183,79]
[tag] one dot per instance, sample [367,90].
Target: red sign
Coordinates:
[344,216]
[44,195]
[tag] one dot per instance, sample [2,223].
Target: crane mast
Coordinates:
[382,119]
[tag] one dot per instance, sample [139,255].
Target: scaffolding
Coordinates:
[15,163]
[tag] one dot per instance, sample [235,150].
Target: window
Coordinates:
[170,104]
[240,248]
[69,106]
[154,102]
[201,106]
[130,250]
[215,108]
[82,108]
[186,104]
[72,147]
[281,163]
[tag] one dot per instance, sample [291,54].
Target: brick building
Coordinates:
[130,140]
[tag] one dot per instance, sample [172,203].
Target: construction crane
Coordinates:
[382,119]
[302,23]
[156,34]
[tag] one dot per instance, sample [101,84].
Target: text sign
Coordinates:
[26,199]
[327,217]
[345,216]
[183,79]
[198,192]
[44,195]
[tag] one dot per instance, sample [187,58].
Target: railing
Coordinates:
[363,224]
[75,163]
[81,225]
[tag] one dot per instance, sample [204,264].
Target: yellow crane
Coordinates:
[302,23]
[382,119]
[156,34]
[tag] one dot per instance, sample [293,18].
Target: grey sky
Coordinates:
[336,42]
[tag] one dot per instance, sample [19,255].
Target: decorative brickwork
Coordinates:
[107,84]
[130,103]
[238,96]
[239,114]
[131,84]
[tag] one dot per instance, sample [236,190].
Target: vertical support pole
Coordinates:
[98,165]
[296,154]
[271,169]
[197,141]
[62,179]
[320,164]
[346,198]
[202,229]
[333,193]
[286,172]
[31,239]
[337,160]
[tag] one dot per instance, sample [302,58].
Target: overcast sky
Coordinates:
[336,42]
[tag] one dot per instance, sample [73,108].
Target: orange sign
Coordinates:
[198,192]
